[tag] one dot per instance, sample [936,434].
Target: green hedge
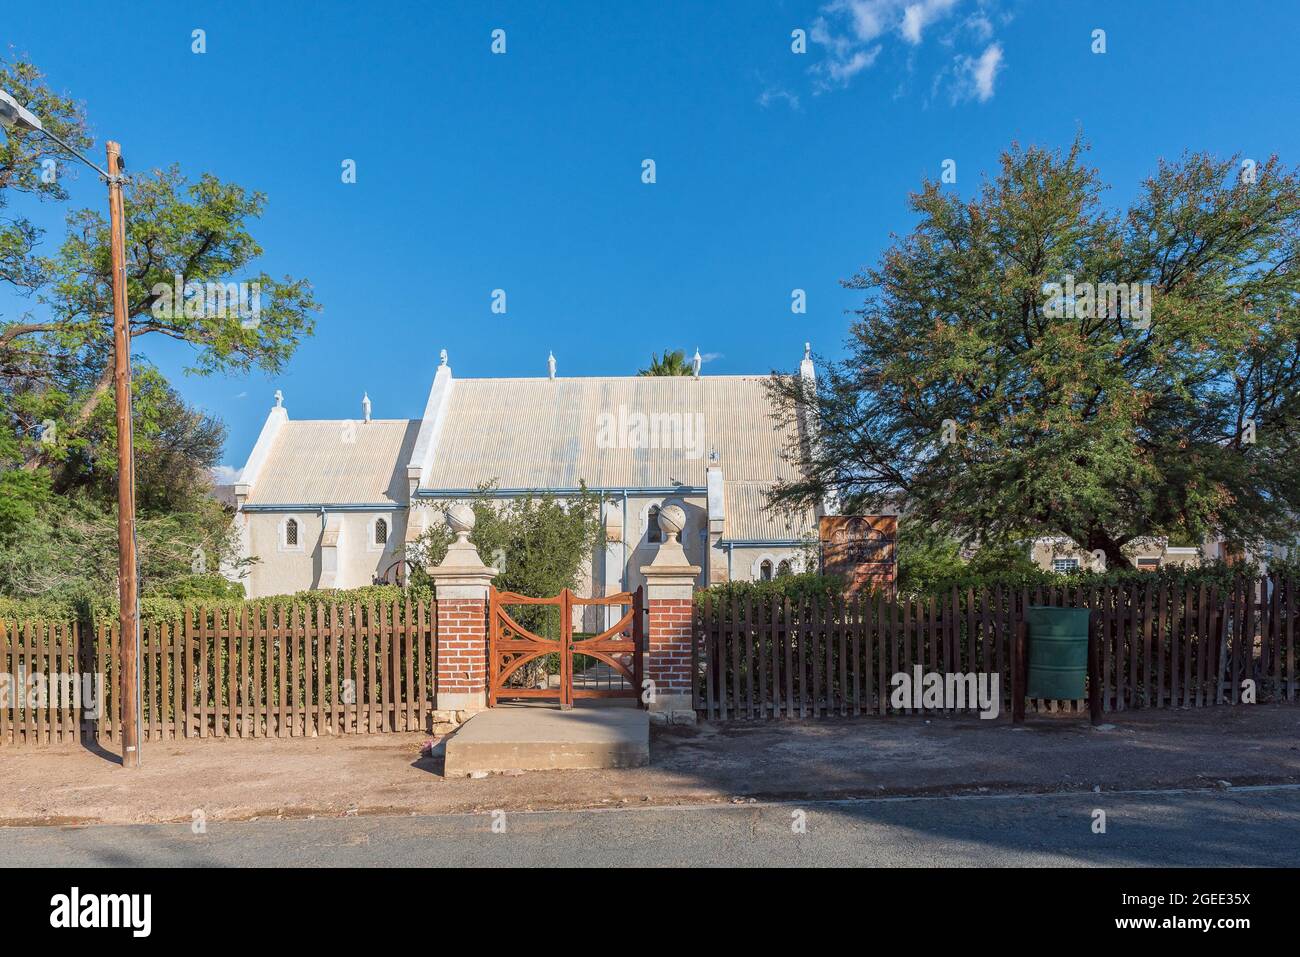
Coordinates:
[797,588]
[1209,573]
[154,608]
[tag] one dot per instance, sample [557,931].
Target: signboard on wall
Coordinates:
[860,548]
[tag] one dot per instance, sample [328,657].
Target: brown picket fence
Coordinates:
[1162,646]
[299,671]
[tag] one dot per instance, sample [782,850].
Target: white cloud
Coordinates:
[853,32]
[918,16]
[976,77]
[980,26]
[870,19]
[225,474]
[869,16]
[842,71]
[774,93]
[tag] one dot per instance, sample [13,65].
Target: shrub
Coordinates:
[797,588]
[1210,573]
[161,607]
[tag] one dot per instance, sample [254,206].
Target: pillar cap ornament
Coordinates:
[671,575]
[460,517]
[461,573]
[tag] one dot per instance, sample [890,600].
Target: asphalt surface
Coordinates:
[1234,826]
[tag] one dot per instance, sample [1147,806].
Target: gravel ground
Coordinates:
[709,763]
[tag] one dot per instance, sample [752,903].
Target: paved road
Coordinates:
[1228,827]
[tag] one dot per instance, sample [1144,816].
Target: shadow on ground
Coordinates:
[726,763]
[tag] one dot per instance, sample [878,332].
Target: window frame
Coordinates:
[371,526]
[282,535]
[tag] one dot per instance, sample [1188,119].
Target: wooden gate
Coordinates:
[552,662]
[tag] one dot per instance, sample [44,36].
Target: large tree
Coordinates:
[180,233]
[1001,383]
[57,430]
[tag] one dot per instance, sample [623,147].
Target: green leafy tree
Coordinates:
[672,363]
[926,556]
[538,543]
[195,235]
[1000,406]
[58,462]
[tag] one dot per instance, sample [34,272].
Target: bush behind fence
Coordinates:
[1164,645]
[276,671]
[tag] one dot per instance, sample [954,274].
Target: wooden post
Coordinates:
[1018,672]
[1094,671]
[126,560]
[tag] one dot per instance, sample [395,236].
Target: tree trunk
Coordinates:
[1115,557]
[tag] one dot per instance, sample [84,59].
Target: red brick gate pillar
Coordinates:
[670,587]
[461,584]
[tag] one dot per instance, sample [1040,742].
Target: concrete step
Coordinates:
[533,738]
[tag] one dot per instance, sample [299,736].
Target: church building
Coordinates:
[336,503]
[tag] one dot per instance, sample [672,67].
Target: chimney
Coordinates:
[550,366]
[365,406]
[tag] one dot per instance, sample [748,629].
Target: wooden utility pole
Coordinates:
[129,620]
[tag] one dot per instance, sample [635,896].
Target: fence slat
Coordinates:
[746,626]
[848,674]
[7,734]
[357,665]
[322,626]
[1290,639]
[422,663]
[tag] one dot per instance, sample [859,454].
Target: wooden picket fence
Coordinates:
[301,671]
[1162,647]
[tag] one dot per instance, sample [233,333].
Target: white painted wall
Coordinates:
[283,571]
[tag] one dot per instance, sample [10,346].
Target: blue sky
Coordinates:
[523,171]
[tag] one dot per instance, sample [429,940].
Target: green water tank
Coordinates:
[1058,652]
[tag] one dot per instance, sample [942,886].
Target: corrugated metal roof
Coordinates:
[630,432]
[344,462]
[556,433]
[749,520]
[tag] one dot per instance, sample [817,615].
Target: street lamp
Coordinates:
[14,114]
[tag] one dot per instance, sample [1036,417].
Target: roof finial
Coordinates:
[365,405]
[279,399]
[550,365]
[697,362]
[442,357]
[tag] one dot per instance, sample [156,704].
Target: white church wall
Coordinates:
[285,569]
